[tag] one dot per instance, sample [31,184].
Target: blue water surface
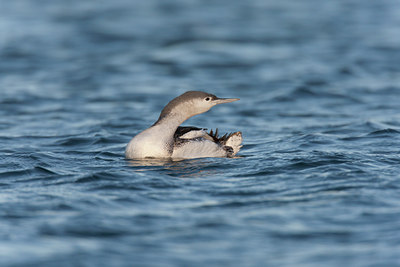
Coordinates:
[315,184]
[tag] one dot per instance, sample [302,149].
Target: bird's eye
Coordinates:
[207,99]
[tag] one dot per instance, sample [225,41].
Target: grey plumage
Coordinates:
[180,99]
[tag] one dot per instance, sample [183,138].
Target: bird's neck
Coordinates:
[166,126]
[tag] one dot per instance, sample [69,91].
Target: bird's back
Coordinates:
[193,142]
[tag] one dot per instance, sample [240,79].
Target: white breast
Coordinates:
[148,144]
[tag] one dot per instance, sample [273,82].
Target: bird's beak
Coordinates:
[224,100]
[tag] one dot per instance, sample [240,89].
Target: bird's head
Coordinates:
[193,103]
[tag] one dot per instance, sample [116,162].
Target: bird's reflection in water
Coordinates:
[176,167]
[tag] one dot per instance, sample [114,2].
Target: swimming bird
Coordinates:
[167,139]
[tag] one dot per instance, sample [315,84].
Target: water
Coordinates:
[317,180]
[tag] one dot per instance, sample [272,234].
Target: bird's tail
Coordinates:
[232,140]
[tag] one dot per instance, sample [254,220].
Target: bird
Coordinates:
[167,139]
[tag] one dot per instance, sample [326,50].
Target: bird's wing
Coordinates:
[190,143]
[190,132]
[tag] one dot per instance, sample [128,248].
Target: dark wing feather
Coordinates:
[185,129]
[213,135]
[221,140]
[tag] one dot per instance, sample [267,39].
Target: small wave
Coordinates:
[15,173]
[308,140]
[308,91]
[82,231]
[94,177]
[385,132]
[44,170]
[309,235]
[75,141]
[106,140]
[118,187]
[309,164]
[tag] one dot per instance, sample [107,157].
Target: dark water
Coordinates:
[318,180]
